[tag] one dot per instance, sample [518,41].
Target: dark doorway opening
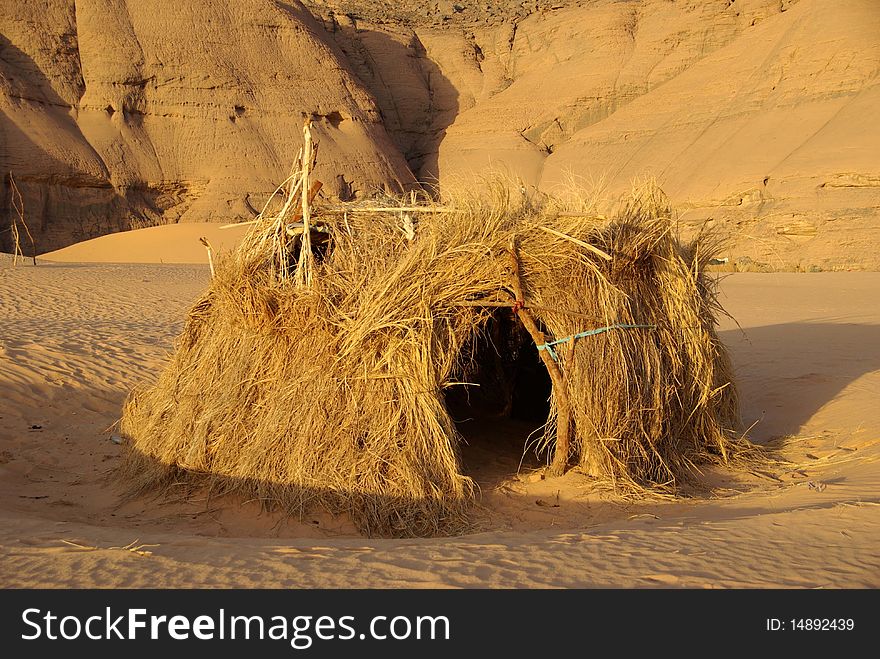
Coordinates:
[501,410]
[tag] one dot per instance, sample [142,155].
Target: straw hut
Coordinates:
[321,365]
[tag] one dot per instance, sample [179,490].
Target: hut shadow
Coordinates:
[238,507]
[788,372]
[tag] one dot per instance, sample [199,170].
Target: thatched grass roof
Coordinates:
[331,392]
[314,370]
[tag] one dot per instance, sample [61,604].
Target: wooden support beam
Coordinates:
[563,408]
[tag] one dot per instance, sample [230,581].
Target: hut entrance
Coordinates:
[501,410]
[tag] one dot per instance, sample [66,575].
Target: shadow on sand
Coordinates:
[786,373]
[798,367]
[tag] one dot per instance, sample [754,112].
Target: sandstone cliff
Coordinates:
[121,113]
[758,117]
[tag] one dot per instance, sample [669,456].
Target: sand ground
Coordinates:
[75,337]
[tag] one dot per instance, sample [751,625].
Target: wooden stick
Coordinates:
[19,207]
[16,249]
[485,303]
[313,192]
[304,267]
[563,408]
[207,245]
[390,209]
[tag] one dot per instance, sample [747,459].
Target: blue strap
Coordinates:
[549,345]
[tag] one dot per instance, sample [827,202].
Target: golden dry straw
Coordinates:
[321,379]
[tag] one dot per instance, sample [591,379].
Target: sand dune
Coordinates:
[174,243]
[756,116]
[75,338]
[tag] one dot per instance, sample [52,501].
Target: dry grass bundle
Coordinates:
[327,386]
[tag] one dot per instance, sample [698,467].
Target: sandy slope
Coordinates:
[173,243]
[74,338]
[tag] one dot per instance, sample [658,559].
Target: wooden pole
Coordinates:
[313,192]
[563,408]
[207,245]
[388,209]
[304,267]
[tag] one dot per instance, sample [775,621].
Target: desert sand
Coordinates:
[132,129]
[76,337]
[173,243]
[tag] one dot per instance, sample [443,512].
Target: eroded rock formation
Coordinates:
[758,117]
[116,113]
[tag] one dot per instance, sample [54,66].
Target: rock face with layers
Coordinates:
[759,116]
[116,113]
